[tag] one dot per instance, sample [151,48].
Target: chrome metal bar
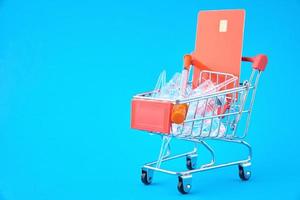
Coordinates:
[213,160]
[219,126]
[165,144]
[213,117]
[171,158]
[195,114]
[202,121]
[223,92]
[227,124]
[192,99]
[212,167]
[221,115]
[195,147]
[252,76]
[160,170]
[251,105]
[204,168]
[243,99]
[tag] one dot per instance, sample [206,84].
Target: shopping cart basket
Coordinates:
[225,111]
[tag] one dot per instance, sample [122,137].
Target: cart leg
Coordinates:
[212,153]
[249,149]
[245,167]
[244,143]
[191,159]
[165,150]
[184,183]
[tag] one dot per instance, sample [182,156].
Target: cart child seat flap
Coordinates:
[219,42]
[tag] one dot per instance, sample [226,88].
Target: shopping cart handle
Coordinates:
[188,61]
[259,62]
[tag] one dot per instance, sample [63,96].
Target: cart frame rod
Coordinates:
[205,167]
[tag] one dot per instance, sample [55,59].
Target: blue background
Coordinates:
[68,70]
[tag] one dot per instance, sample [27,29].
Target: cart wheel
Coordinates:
[191,161]
[189,164]
[244,174]
[146,177]
[183,185]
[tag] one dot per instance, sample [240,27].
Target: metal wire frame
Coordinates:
[238,96]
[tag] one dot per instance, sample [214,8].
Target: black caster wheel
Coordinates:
[244,174]
[183,186]
[189,164]
[146,177]
[191,161]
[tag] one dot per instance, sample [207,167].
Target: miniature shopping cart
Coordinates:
[226,110]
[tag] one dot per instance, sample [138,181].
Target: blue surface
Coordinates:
[68,70]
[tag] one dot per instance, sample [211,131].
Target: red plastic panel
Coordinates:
[219,42]
[151,115]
